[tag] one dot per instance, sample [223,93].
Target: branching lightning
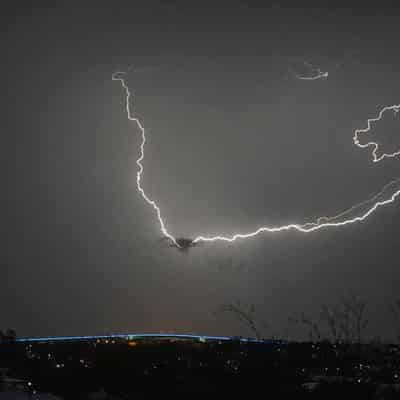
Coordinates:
[370,205]
[375,145]
[364,203]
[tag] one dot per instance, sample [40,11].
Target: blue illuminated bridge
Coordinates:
[136,336]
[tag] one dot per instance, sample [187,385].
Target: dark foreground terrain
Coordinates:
[134,368]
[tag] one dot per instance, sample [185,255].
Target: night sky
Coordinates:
[235,141]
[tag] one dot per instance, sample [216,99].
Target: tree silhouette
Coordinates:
[313,330]
[10,334]
[246,314]
[344,321]
[395,310]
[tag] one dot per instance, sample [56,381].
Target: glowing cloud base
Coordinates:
[368,207]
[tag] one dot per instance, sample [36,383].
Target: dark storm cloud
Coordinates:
[234,142]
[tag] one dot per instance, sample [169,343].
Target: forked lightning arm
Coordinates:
[305,228]
[359,205]
[395,109]
[322,222]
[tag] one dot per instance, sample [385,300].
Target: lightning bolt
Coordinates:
[321,223]
[310,226]
[374,145]
[117,77]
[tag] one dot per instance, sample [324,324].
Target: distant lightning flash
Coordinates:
[316,73]
[371,204]
[374,145]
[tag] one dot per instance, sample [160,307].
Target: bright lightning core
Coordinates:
[366,208]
